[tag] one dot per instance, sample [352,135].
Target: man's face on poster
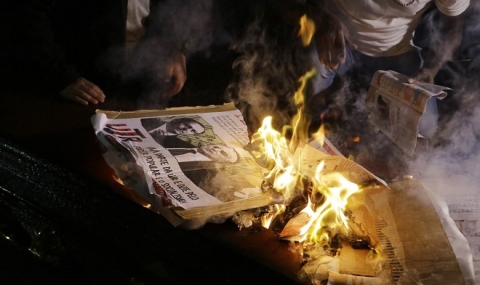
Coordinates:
[185,127]
[219,153]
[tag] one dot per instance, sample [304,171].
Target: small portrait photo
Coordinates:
[179,132]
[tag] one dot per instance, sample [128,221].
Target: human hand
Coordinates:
[175,72]
[83,91]
[426,75]
[331,40]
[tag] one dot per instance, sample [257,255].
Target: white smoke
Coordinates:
[451,167]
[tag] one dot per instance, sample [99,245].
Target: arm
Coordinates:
[331,39]
[442,47]
[162,49]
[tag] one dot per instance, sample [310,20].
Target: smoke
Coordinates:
[185,24]
[455,153]
[272,60]
[266,74]
[175,25]
[450,167]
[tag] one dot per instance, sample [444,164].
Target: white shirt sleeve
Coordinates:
[452,7]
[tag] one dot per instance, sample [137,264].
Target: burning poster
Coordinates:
[399,108]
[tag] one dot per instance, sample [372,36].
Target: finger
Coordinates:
[79,100]
[69,94]
[176,87]
[332,61]
[95,94]
[85,96]
[321,48]
[91,90]
[91,95]
[339,49]
[327,54]
[324,58]
[180,75]
[168,74]
[94,91]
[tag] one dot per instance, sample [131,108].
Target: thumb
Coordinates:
[167,75]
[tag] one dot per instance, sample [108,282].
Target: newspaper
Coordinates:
[398,108]
[191,161]
[333,161]
[408,225]
[461,195]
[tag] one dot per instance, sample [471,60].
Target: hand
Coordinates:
[83,91]
[426,75]
[176,70]
[331,42]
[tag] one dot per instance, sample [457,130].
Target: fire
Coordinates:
[325,215]
[118,180]
[266,220]
[307,29]
[329,216]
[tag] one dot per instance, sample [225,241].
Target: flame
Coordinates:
[307,29]
[118,180]
[376,258]
[319,135]
[327,215]
[266,220]
[273,147]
